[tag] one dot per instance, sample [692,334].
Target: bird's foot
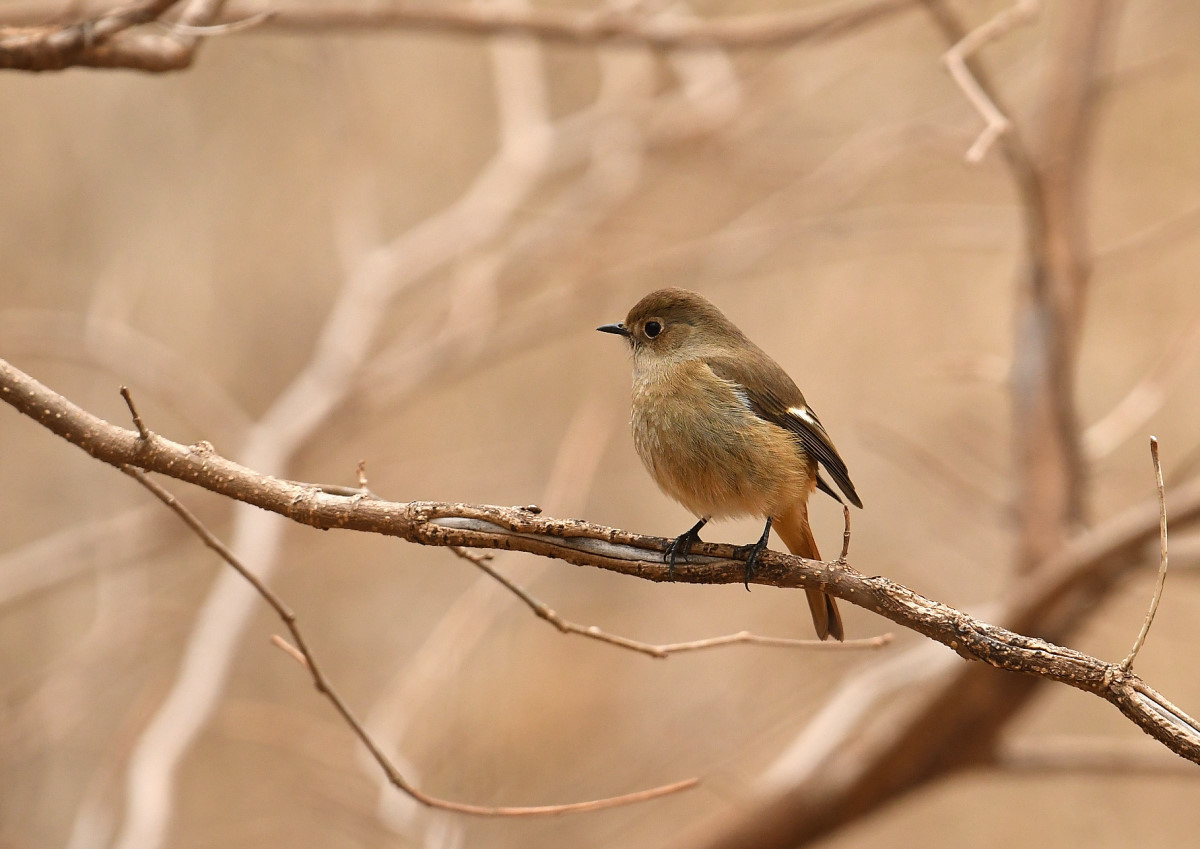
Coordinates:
[753,552]
[681,546]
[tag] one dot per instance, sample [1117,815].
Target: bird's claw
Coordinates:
[753,552]
[681,546]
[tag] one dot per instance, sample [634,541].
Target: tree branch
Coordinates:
[996,123]
[585,544]
[110,39]
[1127,663]
[460,18]
[565,626]
[304,655]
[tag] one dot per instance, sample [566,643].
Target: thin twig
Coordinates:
[783,642]
[290,650]
[1127,663]
[845,535]
[1022,11]
[544,611]
[305,656]
[223,28]
[137,420]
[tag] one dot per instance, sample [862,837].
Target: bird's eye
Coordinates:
[653,328]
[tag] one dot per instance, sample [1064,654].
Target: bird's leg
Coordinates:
[752,552]
[681,546]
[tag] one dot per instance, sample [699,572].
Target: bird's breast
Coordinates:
[707,449]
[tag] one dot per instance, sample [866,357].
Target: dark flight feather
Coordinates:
[769,406]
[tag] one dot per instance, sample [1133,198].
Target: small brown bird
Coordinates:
[725,432]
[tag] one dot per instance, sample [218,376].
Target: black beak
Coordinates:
[618,329]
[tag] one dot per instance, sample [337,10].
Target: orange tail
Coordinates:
[796,534]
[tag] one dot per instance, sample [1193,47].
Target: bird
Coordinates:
[724,431]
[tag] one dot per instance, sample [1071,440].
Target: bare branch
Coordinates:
[303,653]
[463,625]
[290,650]
[845,535]
[375,272]
[585,544]
[1021,12]
[606,25]
[858,700]
[107,40]
[544,611]
[1050,460]
[1127,663]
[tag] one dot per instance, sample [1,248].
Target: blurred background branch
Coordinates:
[29,42]
[386,232]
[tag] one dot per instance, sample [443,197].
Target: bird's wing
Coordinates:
[786,407]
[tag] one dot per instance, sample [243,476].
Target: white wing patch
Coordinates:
[803,414]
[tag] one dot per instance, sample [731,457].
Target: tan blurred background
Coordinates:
[311,250]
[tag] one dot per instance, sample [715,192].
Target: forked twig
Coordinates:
[303,654]
[955,60]
[1127,663]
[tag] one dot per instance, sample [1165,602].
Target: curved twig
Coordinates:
[659,650]
[303,654]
